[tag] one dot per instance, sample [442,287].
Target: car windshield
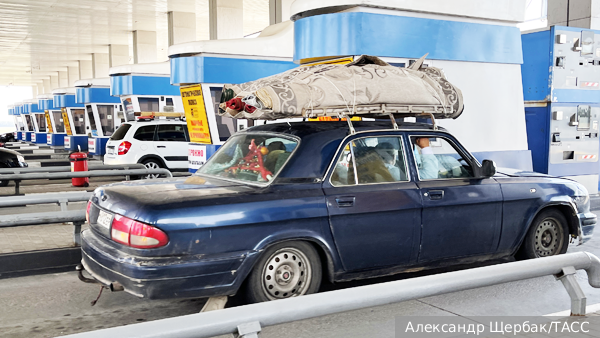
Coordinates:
[250,157]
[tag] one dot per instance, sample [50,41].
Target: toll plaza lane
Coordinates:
[59,304]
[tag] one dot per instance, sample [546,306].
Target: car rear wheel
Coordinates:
[547,236]
[3,183]
[152,164]
[285,270]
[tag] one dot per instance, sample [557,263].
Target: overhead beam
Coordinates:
[182,27]
[118,55]
[225,19]
[100,65]
[144,46]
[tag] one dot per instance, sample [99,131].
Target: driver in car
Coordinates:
[427,162]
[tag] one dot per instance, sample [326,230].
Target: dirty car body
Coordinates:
[385,222]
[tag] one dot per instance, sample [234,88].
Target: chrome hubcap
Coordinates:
[152,165]
[548,239]
[286,274]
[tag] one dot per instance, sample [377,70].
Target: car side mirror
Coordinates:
[488,168]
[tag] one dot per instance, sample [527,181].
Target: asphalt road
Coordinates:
[59,304]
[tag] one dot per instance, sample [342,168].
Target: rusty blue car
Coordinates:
[281,207]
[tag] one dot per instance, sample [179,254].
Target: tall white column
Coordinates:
[100,65]
[144,46]
[34,91]
[54,82]
[63,79]
[73,72]
[47,86]
[182,27]
[574,13]
[279,11]
[226,19]
[118,55]
[86,70]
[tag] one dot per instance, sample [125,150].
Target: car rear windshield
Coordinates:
[250,157]
[121,132]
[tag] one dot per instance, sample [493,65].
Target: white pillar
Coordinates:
[100,65]
[279,11]
[144,47]
[73,72]
[86,70]
[574,13]
[182,27]
[118,55]
[47,86]
[34,91]
[226,18]
[63,79]
[53,82]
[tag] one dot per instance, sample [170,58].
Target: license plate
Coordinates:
[110,151]
[104,219]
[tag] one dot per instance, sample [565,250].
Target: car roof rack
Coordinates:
[393,111]
[150,116]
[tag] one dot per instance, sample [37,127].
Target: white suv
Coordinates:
[157,143]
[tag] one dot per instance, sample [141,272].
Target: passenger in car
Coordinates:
[427,162]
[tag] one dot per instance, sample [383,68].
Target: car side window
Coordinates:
[438,158]
[145,133]
[371,160]
[170,132]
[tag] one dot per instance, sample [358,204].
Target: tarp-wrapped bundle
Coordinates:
[366,86]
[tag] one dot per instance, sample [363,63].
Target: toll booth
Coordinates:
[144,87]
[561,78]
[104,113]
[17,120]
[201,68]
[28,128]
[54,121]
[38,119]
[73,114]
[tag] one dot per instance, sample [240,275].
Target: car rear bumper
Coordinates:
[587,223]
[163,277]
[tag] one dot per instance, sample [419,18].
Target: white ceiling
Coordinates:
[38,38]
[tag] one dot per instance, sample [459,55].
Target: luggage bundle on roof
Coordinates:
[366,86]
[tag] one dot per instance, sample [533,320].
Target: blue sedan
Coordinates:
[282,206]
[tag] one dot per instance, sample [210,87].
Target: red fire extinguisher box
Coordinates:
[79,163]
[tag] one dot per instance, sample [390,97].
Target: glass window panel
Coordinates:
[145,133]
[437,158]
[78,121]
[59,124]
[171,132]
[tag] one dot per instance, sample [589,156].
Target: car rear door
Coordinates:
[374,208]
[462,214]
[172,144]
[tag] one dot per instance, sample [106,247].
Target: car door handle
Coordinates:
[345,202]
[161,146]
[436,194]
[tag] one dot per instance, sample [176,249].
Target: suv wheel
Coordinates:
[151,164]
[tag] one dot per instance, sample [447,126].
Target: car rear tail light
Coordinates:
[124,148]
[137,234]
[87,212]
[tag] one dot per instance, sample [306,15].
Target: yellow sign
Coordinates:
[336,61]
[195,114]
[48,121]
[329,118]
[65,117]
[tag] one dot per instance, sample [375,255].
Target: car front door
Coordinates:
[172,144]
[462,214]
[374,208]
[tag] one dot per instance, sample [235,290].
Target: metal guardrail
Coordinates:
[91,167]
[248,320]
[66,175]
[77,217]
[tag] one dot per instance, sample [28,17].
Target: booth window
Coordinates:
[148,104]
[59,124]
[90,114]
[28,121]
[171,132]
[107,119]
[145,133]
[78,121]
[41,122]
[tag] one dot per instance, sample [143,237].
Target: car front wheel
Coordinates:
[285,270]
[547,236]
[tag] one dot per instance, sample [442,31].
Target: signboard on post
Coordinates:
[65,117]
[195,114]
[48,122]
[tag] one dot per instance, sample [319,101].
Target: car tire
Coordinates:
[3,183]
[548,235]
[285,270]
[152,163]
